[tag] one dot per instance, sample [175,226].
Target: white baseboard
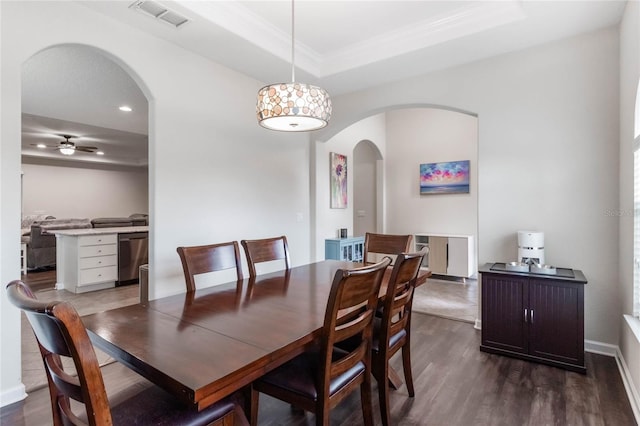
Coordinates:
[15,394]
[600,348]
[478,324]
[632,392]
[625,374]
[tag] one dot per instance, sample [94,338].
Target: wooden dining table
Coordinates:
[204,345]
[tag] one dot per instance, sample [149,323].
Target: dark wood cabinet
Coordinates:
[537,318]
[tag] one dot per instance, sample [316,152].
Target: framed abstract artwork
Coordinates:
[451,177]
[338,172]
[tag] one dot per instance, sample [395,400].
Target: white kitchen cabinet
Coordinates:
[452,255]
[87,259]
[86,262]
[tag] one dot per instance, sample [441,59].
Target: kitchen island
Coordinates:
[90,259]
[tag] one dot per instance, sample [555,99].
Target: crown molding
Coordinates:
[461,22]
[436,30]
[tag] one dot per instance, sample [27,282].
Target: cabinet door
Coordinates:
[504,300]
[358,248]
[556,321]
[458,259]
[438,255]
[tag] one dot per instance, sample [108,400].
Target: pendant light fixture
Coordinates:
[293,107]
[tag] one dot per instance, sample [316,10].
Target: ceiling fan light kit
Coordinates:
[293,107]
[67,149]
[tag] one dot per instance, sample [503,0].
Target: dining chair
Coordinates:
[319,379]
[385,244]
[209,258]
[265,250]
[392,332]
[60,333]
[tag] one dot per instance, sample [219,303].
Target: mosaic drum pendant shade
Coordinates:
[293,107]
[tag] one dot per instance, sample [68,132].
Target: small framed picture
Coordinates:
[338,176]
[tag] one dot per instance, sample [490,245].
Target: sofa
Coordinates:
[41,244]
[136,219]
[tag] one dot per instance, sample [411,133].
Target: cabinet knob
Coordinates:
[525,315]
[532,316]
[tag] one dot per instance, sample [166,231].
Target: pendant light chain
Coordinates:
[293,50]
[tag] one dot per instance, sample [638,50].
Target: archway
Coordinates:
[83,87]
[405,137]
[367,188]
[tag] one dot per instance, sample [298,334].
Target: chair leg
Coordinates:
[365,400]
[253,403]
[322,415]
[383,394]
[406,366]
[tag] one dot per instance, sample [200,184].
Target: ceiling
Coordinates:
[343,46]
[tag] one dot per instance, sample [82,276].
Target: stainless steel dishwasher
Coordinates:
[133,251]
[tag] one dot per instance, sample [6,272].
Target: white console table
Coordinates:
[87,259]
[448,254]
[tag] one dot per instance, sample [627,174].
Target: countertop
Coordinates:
[99,231]
[575,275]
[440,234]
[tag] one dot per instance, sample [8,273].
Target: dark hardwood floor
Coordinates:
[455,384]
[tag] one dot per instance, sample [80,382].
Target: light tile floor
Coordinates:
[33,374]
[448,299]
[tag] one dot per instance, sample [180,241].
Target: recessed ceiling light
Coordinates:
[41,146]
[125,108]
[99,153]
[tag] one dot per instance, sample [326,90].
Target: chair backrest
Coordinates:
[266,250]
[386,244]
[349,316]
[60,332]
[209,258]
[396,314]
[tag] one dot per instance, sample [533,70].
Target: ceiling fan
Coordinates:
[66,147]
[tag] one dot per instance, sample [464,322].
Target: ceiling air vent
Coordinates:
[158,11]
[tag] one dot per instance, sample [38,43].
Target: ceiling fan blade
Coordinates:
[47,146]
[86,148]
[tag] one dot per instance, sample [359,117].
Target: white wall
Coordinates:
[629,79]
[84,192]
[215,175]
[328,220]
[547,153]
[429,135]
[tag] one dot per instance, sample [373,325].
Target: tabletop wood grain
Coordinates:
[207,344]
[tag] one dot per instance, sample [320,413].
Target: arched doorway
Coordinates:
[406,137]
[367,187]
[76,90]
